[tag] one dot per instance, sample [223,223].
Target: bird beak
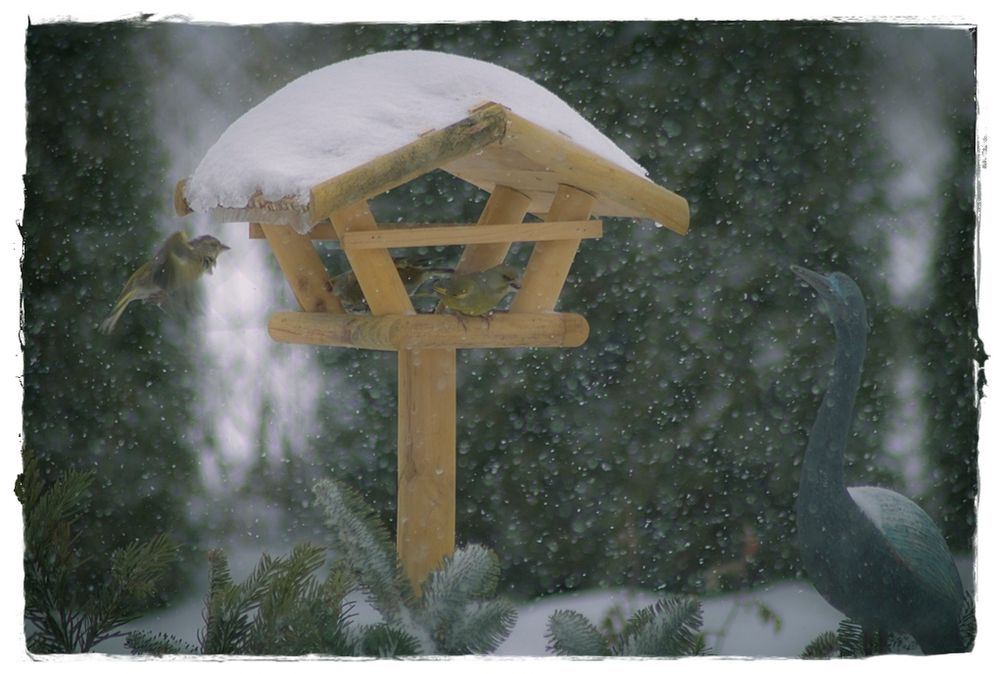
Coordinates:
[516,284]
[818,281]
[223,246]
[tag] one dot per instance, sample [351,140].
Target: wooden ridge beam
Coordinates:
[395,332]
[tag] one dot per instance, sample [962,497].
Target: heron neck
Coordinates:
[823,467]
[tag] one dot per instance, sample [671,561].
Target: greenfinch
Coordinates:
[169,276]
[413,272]
[478,293]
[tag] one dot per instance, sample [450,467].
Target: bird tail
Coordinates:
[108,324]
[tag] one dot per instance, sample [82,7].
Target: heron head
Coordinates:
[839,292]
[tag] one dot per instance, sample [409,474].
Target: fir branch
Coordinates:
[967,622]
[365,546]
[386,641]
[571,633]
[851,638]
[823,647]
[469,574]
[667,628]
[481,628]
[142,642]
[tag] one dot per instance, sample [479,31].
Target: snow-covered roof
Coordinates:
[332,121]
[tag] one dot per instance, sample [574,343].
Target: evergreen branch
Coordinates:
[386,641]
[365,546]
[823,647]
[470,573]
[145,643]
[481,629]
[136,570]
[967,623]
[571,633]
[850,637]
[667,628]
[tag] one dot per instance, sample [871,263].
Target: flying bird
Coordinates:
[168,277]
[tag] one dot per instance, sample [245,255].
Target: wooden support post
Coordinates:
[425,510]
[505,206]
[377,275]
[303,269]
[550,261]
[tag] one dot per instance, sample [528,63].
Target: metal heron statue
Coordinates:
[875,555]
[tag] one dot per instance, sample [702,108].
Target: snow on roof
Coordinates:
[339,117]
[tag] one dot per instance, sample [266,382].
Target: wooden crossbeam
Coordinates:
[471,234]
[428,331]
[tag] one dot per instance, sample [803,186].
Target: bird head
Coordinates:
[510,276]
[209,248]
[842,296]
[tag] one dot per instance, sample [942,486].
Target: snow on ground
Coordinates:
[340,116]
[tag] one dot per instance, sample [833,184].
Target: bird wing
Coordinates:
[914,536]
[169,259]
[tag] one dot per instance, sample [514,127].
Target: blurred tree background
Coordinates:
[659,452]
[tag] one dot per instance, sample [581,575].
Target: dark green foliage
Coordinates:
[144,643]
[365,547]
[69,610]
[456,613]
[117,406]
[823,647]
[968,624]
[851,640]
[279,609]
[571,633]
[669,628]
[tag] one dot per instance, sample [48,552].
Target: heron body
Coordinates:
[873,554]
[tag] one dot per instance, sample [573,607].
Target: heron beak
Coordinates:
[816,280]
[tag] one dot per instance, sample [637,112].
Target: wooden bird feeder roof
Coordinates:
[493,137]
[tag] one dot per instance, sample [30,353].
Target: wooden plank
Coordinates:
[550,261]
[323,231]
[303,269]
[394,332]
[486,125]
[426,466]
[597,175]
[471,234]
[374,268]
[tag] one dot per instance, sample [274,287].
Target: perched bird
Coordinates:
[873,554]
[478,293]
[169,276]
[413,272]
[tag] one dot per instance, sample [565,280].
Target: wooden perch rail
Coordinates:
[424,331]
[465,234]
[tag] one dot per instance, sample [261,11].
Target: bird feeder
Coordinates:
[525,167]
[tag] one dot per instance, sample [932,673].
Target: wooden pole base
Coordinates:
[425,528]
